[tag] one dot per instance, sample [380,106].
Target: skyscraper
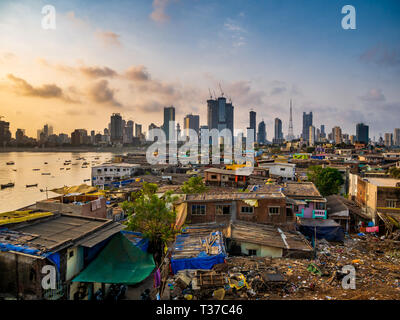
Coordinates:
[307,122]
[169,115]
[322,133]
[262,133]
[220,114]
[191,122]
[397,137]
[129,131]
[253,123]
[116,128]
[278,138]
[362,133]
[337,135]
[5,134]
[388,139]
[311,135]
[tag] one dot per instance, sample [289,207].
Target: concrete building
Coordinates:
[116,128]
[253,123]
[169,116]
[362,133]
[307,122]
[191,122]
[277,169]
[311,135]
[337,135]
[107,173]
[396,137]
[388,140]
[278,137]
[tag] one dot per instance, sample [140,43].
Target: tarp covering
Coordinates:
[83,188]
[328,231]
[119,262]
[181,213]
[202,261]
[252,202]
[137,239]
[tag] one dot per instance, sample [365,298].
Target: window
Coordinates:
[198,209]
[71,254]
[246,209]
[273,211]
[105,169]
[223,209]
[320,206]
[282,169]
[391,203]
[252,252]
[214,177]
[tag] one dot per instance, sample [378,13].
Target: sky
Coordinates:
[135,57]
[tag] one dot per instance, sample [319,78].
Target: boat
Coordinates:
[68,168]
[46,173]
[61,168]
[35,169]
[14,169]
[45,163]
[96,158]
[31,185]
[85,163]
[86,180]
[84,167]
[7,185]
[10,163]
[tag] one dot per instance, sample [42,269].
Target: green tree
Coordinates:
[327,180]
[394,172]
[194,185]
[127,206]
[154,217]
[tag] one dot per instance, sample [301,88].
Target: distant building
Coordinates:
[337,135]
[362,133]
[253,123]
[278,137]
[397,137]
[116,128]
[220,114]
[138,130]
[262,133]
[388,140]
[311,135]
[169,115]
[191,122]
[307,122]
[79,137]
[108,173]
[129,128]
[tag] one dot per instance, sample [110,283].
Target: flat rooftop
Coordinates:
[120,165]
[383,182]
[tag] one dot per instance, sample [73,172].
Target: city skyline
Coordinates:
[343,76]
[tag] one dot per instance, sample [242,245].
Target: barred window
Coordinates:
[274,211]
[198,209]
[223,209]
[246,209]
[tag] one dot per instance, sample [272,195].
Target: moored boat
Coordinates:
[7,185]
[10,163]
[31,185]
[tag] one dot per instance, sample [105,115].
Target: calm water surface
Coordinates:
[22,173]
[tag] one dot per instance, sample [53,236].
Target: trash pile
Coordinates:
[375,261]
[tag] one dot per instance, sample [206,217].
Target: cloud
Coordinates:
[100,93]
[236,32]
[382,55]
[109,38]
[373,95]
[137,73]
[158,14]
[98,72]
[46,91]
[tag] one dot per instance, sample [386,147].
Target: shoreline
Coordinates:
[75,150]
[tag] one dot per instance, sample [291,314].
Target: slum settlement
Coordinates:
[264,230]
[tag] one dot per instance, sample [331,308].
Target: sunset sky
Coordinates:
[135,57]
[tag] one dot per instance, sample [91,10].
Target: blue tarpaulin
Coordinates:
[203,260]
[137,239]
[323,229]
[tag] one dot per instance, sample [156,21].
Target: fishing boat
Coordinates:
[61,168]
[7,185]
[85,163]
[68,168]
[86,180]
[45,163]
[84,167]
[31,185]
[14,169]
[46,173]
[10,163]
[35,169]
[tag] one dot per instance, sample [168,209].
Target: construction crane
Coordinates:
[1,117]
[209,90]
[222,93]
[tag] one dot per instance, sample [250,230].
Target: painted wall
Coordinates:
[262,251]
[74,263]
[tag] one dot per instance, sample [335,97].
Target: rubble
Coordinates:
[376,263]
